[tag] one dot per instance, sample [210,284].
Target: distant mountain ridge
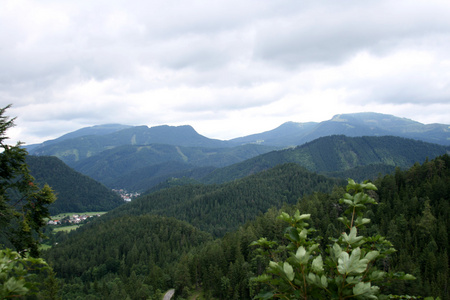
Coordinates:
[93,130]
[88,141]
[357,124]
[116,154]
[78,148]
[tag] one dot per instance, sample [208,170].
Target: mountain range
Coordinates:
[101,137]
[138,158]
[207,200]
[357,124]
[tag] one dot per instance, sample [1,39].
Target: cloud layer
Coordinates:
[228,68]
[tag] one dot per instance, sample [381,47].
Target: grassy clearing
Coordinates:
[66,228]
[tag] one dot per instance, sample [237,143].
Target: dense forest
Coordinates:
[218,209]
[413,213]
[133,253]
[127,256]
[75,192]
[337,155]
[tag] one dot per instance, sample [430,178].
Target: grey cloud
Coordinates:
[333,33]
[133,61]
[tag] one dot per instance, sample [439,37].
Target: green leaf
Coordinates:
[337,250]
[407,277]
[299,217]
[293,234]
[371,255]
[14,286]
[377,275]
[365,288]
[304,234]
[285,217]
[361,221]
[352,238]
[352,264]
[289,271]
[324,281]
[265,296]
[317,264]
[273,265]
[301,252]
[302,256]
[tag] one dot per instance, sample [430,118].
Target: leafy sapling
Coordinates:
[347,269]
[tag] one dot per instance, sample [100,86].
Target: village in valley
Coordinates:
[125,195]
[73,219]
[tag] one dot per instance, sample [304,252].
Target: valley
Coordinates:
[181,211]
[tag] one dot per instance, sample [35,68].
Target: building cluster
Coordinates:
[73,219]
[126,196]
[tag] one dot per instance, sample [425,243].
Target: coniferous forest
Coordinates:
[141,249]
[279,231]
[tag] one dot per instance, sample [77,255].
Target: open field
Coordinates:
[66,228]
[61,216]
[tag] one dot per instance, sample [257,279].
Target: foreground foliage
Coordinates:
[413,214]
[23,207]
[20,276]
[349,268]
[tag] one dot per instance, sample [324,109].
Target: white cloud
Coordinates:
[228,68]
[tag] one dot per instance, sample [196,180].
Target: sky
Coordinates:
[227,68]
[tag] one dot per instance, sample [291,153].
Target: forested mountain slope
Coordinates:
[75,192]
[146,178]
[117,166]
[413,213]
[218,209]
[336,154]
[126,256]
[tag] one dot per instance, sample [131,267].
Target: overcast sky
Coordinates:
[228,68]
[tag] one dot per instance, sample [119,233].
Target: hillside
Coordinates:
[218,209]
[336,154]
[145,178]
[136,253]
[121,165]
[75,192]
[115,255]
[412,212]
